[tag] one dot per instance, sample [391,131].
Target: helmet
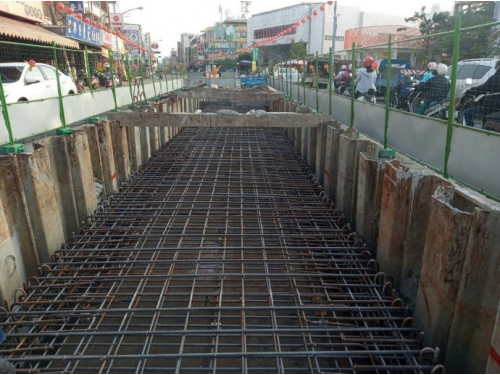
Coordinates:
[343,67]
[432,65]
[368,61]
[441,69]
[106,65]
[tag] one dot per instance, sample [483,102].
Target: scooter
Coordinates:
[368,96]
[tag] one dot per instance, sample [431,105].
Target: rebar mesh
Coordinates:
[221,255]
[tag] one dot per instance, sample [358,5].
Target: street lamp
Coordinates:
[129,10]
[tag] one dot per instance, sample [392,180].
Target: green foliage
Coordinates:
[297,50]
[473,44]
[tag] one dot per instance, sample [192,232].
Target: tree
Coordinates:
[473,44]
[297,50]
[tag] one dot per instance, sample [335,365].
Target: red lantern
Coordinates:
[315,12]
[99,25]
[289,30]
[32,63]
[309,17]
[303,20]
[329,2]
[93,23]
[86,20]
[79,16]
[99,65]
[134,67]
[60,6]
[322,7]
[70,10]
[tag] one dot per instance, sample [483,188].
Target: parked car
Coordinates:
[21,82]
[286,74]
[472,73]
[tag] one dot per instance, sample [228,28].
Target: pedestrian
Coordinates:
[489,103]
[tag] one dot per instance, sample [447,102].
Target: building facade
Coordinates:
[314,25]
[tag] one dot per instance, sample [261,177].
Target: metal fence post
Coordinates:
[11,148]
[453,86]
[316,75]
[159,77]
[387,153]
[353,73]
[331,71]
[304,79]
[166,77]
[89,73]
[112,77]
[64,129]
[129,77]
[153,80]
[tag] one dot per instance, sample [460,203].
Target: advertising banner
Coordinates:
[83,32]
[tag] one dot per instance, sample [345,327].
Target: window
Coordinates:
[34,75]
[481,71]
[466,71]
[49,72]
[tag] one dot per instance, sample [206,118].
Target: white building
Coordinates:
[317,29]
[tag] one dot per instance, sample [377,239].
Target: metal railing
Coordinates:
[469,109]
[38,73]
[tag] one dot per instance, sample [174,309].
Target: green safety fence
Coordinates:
[451,76]
[30,72]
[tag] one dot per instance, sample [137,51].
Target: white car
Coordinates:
[286,74]
[23,83]
[472,73]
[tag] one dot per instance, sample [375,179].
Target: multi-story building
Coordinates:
[313,23]
[224,38]
[184,52]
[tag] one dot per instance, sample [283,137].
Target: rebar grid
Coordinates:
[221,255]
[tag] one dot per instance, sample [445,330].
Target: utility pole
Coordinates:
[334,26]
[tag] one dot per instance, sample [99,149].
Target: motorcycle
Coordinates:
[401,95]
[368,96]
[82,81]
[471,99]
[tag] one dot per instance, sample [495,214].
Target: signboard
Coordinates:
[255,54]
[84,32]
[116,20]
[31,10]
[77,6]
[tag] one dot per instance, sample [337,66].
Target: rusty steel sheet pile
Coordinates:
[220,255]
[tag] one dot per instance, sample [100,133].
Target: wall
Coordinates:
[436,241]
[32,118]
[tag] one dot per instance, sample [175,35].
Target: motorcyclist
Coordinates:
[489,103]
[366,77]
[342,79]
[431,69]
[435,90]
[403,89]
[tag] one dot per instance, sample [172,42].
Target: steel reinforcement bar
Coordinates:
[221,255]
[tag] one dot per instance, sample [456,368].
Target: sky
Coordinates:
[167,20]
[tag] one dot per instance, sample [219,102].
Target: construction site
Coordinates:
[238,231]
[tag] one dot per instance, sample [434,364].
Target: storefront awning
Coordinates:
[23,30]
